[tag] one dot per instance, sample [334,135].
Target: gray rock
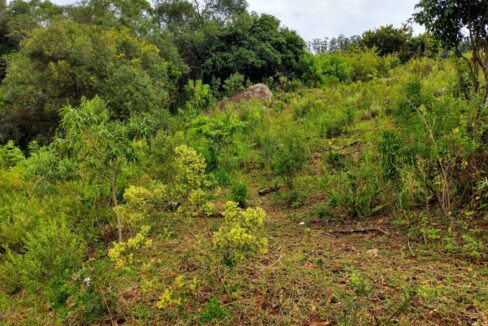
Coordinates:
[260,92]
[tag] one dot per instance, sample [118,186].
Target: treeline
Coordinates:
[387,40]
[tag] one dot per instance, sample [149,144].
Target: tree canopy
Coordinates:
[67,61]
[459,22]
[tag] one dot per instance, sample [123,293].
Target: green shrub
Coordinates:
[390,151]
[198,97]
[335,160]
[482,193]
[221,176]
[234,84]
[215,137]
[293,198]
[415,186]
[323,212]
[364,66]
[46,162]
[355,191]
[239,193]
[213,312]
[333,123]
[289,155]
[322,69]
[10,155]
[412,98]
[360,284]
[474,248]
[52,253]
[159,162]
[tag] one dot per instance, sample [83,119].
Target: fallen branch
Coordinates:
[269,190]
[359,230]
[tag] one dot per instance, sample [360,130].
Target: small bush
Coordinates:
[52,254]
[234,84]
[10,155]
[239,193]
[289,155]
[335,160]
[390,147]
[355,191]
[292,198]
[325,69]
[213,312]
[333,123]
[198,97]
[240,235]
[360,284]
[123,253]
[323,212]
[411,100]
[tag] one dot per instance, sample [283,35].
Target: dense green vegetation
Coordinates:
[359,195]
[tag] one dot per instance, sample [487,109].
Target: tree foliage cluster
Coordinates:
[386,40]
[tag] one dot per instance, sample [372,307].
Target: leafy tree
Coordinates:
[193,25]
[455,22]
[255,46]
[177,11]
[136,15]
[66,61]
[340,43]
[174,13]
[343,43]
[318,45]
[18,19]
[4,43]
[103,148]
[388,40]
[22,17]
[220,10]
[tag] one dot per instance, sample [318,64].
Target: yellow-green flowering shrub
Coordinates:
[175,294]
[140,202]
[190,171]
[240,236]
[197,205]
[122,253]
[167,299]
[186,191]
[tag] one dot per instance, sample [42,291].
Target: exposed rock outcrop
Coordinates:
[260,92]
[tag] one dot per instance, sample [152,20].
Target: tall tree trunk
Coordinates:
[113,190]
[483,65]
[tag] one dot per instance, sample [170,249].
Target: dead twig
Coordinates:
[359,230]
[112,321]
